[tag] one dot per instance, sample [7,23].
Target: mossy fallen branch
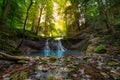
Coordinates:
[12,58]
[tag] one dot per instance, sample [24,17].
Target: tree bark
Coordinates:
[33,22]
[39,19]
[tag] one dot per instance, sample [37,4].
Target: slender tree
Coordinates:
[25,22]
[39,19]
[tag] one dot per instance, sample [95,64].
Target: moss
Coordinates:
[112,63]
[50,78]
[37,58]
[21,61]
[55,63]
[44,60]
[72,70]
[86,57]
[52,58]
[100,49]
[14,77]
[23,75]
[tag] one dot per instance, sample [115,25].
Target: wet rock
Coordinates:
[52,67]
[100,65]
[65,69]
[6,75]
[59,77]
[7,78]
[37,76]
[115,71]
[45,69]
[105,75]
[39,67]
[116,77]
[74,75]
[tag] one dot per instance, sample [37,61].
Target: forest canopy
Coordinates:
[50,18]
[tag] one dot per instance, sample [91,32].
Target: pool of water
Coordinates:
[54,53]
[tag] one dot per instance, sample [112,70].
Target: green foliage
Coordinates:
[100,49]
[58,18]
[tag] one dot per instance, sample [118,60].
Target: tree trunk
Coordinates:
[25,22]
[39,19]
[33,22]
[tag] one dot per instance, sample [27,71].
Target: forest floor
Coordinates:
[90,66]
[87,67]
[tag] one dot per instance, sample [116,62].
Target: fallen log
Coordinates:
[13,58]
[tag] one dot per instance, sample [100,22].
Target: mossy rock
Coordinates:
[52,58]
[21,61]
[86,57]
[100,49]
[72,70]
[50,78]
[112,63]
[23,75]
[55,63]
[37,58]
[44,60]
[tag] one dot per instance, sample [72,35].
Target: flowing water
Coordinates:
[54,48]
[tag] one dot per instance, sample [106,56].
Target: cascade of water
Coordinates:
[60,46]
[57,45]
[54,47]
[46,48]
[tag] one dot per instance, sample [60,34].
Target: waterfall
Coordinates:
[57,45]
[46,48]
[54,47]
[60,46]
